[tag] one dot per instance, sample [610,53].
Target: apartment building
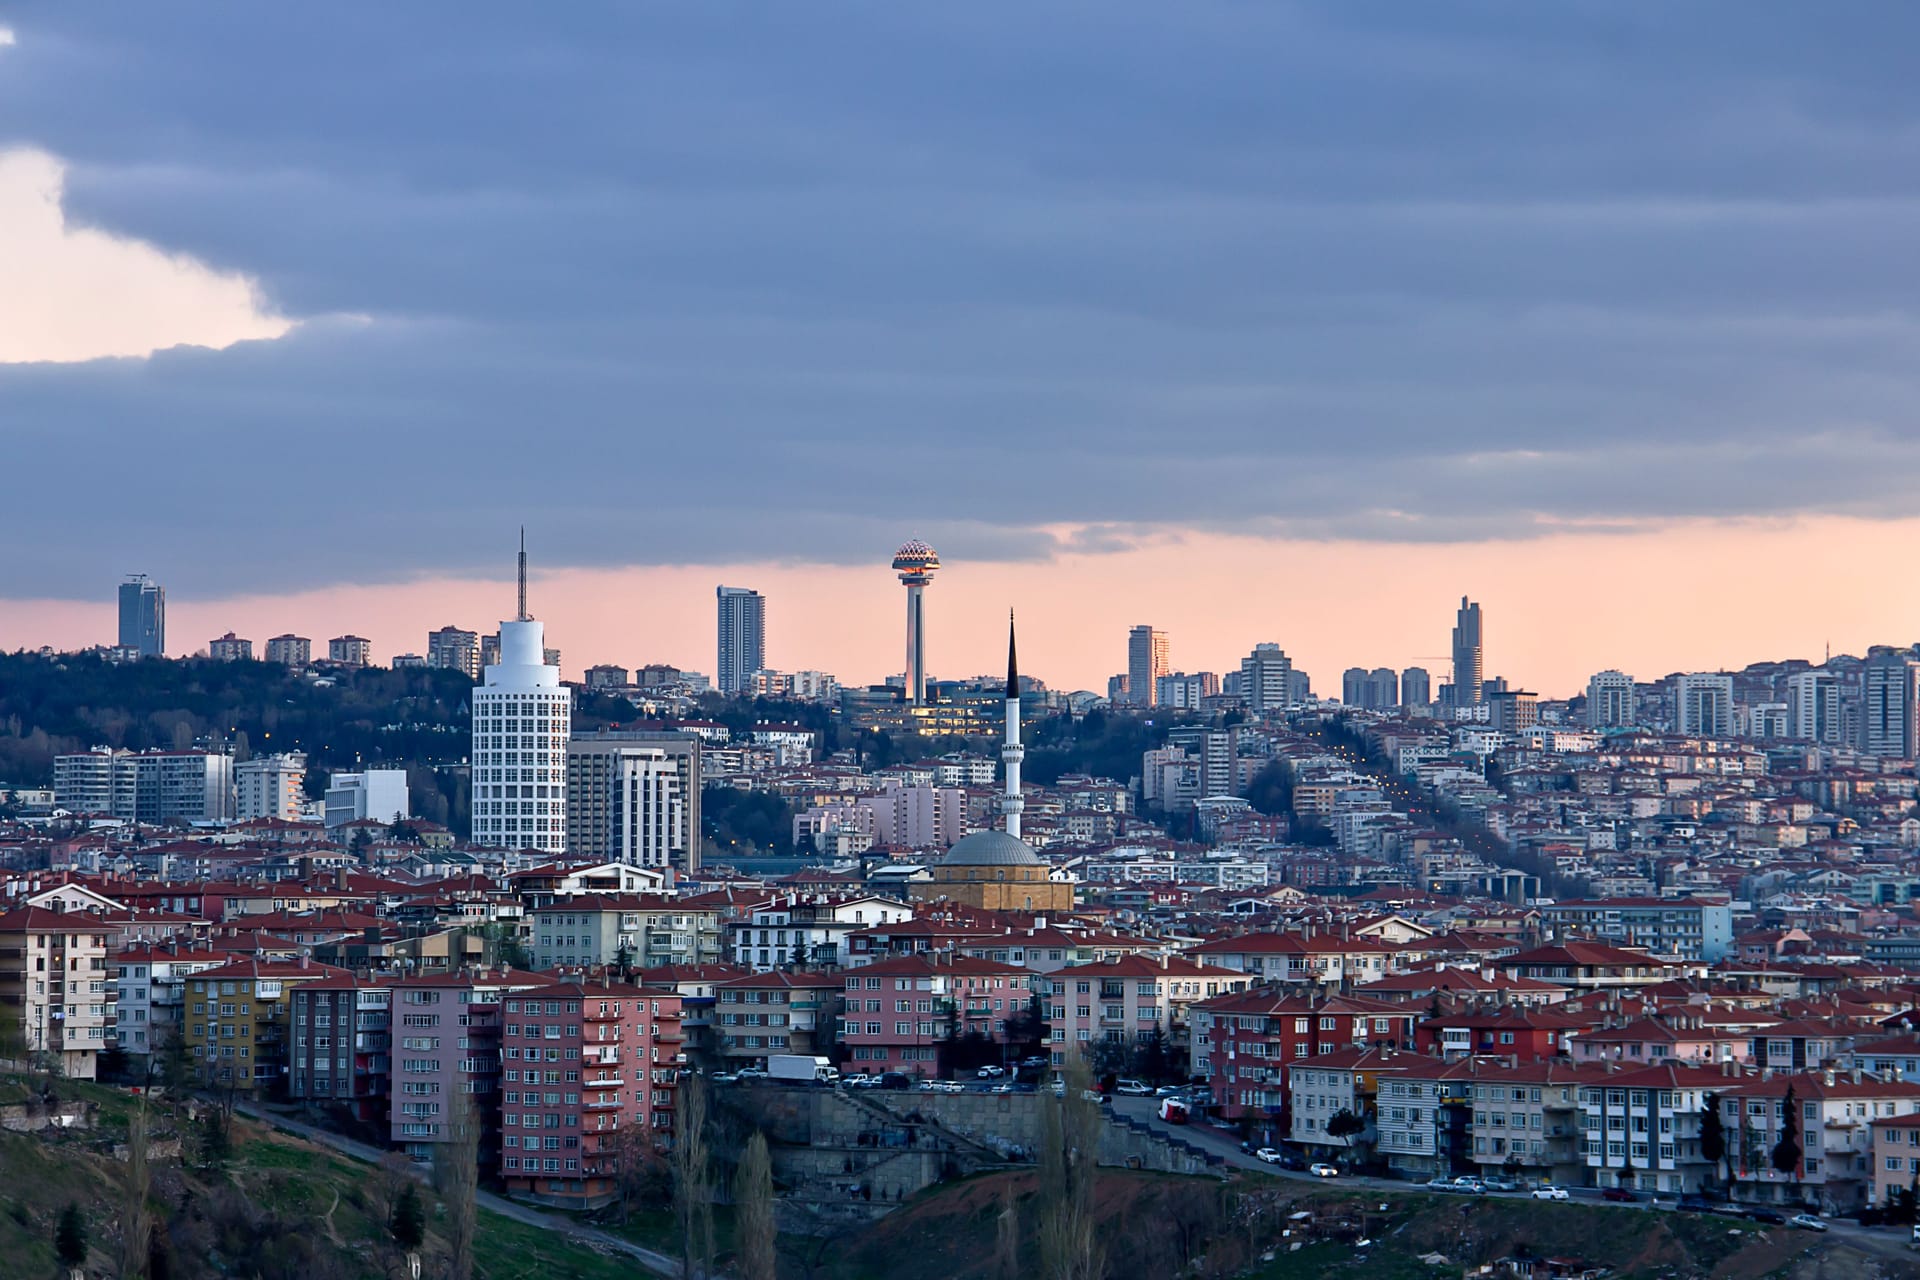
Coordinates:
[1836,1113]
[446,1040]
[146,786]
[1673,928]
[807,929]
[1241,1043]
[1125,1001]
[897,1012]
[1317,959]
[55,981]
[1524,1118]
[1346,1080]
[1895,1163]
[1423,1117]
[1642,1127]
[638,930]
[340,1050]
[153,989]
[779,1011]
[272,786]
[589,1074]
[237,1017]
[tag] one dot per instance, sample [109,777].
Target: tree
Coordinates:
[1070,1248]
[176,1064]
[408,1225]
[1153,1060]
[216,1139]
[1713,1131]
[456,1175]
[1787,1153]
[1007,1260]
[692,1189]
[754,1232]
[136,1227]
[70,1237]
[1346,1126]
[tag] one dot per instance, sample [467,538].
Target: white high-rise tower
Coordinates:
[522,717]
[1013,753]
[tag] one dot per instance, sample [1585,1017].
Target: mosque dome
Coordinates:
[991,849]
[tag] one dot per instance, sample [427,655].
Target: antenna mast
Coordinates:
[523,573]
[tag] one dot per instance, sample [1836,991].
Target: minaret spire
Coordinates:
[1013,753]
[523,615]
[1013,667]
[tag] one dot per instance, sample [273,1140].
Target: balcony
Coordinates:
[602,1104]
[604,1082]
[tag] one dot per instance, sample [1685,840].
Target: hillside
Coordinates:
[280,1209]
[1156,1225]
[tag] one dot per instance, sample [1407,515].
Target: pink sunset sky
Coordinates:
[1695,596]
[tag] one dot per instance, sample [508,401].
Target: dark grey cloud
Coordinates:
[696,283]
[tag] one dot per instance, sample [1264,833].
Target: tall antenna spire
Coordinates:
[524,615]
[1013,753]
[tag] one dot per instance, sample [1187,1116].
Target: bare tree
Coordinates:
[1069,1173]
[456,1176]
[136,1227]
[1006,1237]
[692,1181]
[754,1231]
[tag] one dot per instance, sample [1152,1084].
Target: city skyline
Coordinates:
[1341,624]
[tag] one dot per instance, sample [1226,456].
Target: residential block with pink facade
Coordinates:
[588,1081]
[897,1012]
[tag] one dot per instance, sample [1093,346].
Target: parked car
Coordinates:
[1619,1195]
[1548,1191]
[1694,1204]
[1768,1216]
[990,1073]
[1807,1222]
[750,1073]
[1170,1091]
[1292,1162]
[1323,1171]
[858,1080]
[1134,1088]
[1267,1155]
[1501,1184]
[895,1080]
[723,1077]
[1440,1183]
[1470,1185]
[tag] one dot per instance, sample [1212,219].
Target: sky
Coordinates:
[1276,322]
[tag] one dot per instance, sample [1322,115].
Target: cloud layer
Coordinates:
[713,283]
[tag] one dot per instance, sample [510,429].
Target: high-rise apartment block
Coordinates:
[230,648]
[1610,700]
[350,651]
[634,797]
[376,794]
[146,786]
[1469,655]
[1703,705]
[272,786]
[1813,708]
[292,651]
[1416,687]
[1376,690]
[1890,703]
[143,616]
[1512,710]
[1146,663]
[742,632]
[1266,680]
[454,650]
[1181,691]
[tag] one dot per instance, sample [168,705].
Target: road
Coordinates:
[1885,1242]
[657,1263]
